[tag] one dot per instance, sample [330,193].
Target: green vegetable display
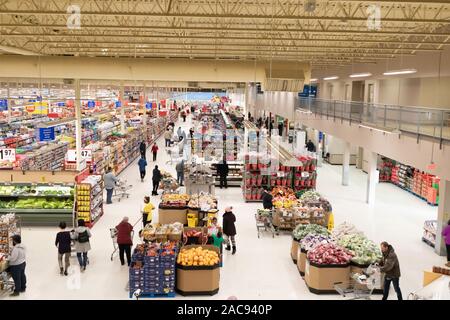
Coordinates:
[37,203]
[365,251]
[302,230]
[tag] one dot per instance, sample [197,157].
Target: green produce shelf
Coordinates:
[3,210]
[34,196]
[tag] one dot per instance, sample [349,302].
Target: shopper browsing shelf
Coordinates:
[310,146]
[267,199]
[446,235]
[390,266]
[143,149]
[110,183]
[180,172]
[218,240]
[17,264]
[147,211]
[155,151]
[63,243]
[229,229]
[124,240]
[81,236]
[142,163]
[222,172]
[156,180]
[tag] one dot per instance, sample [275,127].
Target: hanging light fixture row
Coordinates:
[368,74]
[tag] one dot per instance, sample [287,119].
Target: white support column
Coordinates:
[443,215]
[78,129]
[372,178]
[346,164]
[122,108]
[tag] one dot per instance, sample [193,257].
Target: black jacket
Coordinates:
[142,147]
[63,242]
[156,175]
[267,200]
[228,224]
[222,169]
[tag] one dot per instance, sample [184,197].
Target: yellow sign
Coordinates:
[37,108]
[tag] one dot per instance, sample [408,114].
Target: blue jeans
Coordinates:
[82,259]
[109,193]
[387,286]
[18,275]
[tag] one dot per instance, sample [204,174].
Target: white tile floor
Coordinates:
[262,268]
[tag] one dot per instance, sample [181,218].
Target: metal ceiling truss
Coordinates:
[334,31]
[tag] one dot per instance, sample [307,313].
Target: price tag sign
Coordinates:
[305,174]
[7,154]
[86,154]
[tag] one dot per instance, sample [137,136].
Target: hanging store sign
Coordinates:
[7,154]
[118,104]
[3,104]
[305,174]
[91,104]
[148,105]
[46,134]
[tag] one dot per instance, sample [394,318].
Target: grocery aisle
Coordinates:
[262,268]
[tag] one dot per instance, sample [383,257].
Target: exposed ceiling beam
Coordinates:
[19,51]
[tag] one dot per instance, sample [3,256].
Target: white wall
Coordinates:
[279,103]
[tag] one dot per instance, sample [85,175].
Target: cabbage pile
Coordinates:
[364,250]
[329,253]
[343,229]
[302,230]
[312,240]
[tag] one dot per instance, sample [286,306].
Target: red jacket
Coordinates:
[124,233]
[155,149]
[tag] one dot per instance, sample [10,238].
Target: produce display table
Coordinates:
[320,279]
[301,261]
[168,215]
[294,250]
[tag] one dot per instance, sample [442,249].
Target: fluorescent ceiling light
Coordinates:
[331,78]
[313,80]
[360,75]
[397,72]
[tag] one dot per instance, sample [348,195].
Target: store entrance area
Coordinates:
[262,267]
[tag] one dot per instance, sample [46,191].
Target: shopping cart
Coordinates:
[360,285]
[113,233]
[264,223]
[121,190]
[6,281]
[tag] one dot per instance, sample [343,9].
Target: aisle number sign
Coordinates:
[86,154]
[7,154]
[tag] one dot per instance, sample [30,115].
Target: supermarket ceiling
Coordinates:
[323,32]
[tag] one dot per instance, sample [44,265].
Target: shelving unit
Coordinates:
[9,226]
[429,232]
[89,199]
[234,178]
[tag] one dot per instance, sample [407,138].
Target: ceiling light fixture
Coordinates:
[360,75]
[398,72]
[331,78]
[313,80]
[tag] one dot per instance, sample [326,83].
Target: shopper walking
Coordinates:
[142,163]
[222,172]
[110,182]
[63,243]
[280,129]
[17,264]
[229,229]
[147,211]
[191,133]
[155,151]
[267,199]
[124,240]
[156,180]
[167,137]
[183,115]
[390,266]
[180,172]
[81,236]
[143,149]
[446,235]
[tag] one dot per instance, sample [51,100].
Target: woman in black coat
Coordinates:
[229,229]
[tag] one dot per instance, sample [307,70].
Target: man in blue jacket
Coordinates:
[142,163]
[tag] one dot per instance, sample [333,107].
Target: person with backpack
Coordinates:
[81,236]
[63,243]
[143,148]
[155,151]
[124,240]
[17,265]
[142,163]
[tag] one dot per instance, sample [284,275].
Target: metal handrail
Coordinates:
[429,122]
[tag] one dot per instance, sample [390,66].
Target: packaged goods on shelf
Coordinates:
[429,232]
[203,201]
[163,233]
[152,269]
[89,199]
[9,226]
